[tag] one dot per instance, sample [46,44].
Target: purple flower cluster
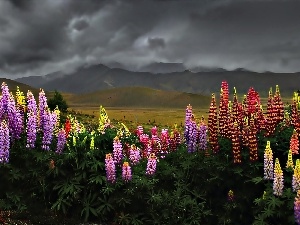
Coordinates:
[202,136]
[151,164]
[4,101]
[31,128]
[43,106]
[126,172]
[134,155]
[61,141]
[297,208]
[15,121]
[117,151]
[49,121]
[4,142]
[192,136]
[110,168]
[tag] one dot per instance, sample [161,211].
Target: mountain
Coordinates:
[100,77]
[159,67]
[139,97]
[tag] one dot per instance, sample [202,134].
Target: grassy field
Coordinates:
[143,116]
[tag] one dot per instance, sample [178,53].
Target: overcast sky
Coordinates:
[42,36]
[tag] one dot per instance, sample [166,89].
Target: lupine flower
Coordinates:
[49,121]
[118,150]
[188,116]
[110,168]
[31,129]
[15,122]
[297,208]
[278,179]
[155,141]
[92,144]
[202,136]
[139,130]
[42,108]
[294,143]
[213,125]
[296,176]
[165,141]
[289,163]
[151,164]
[230,196]
[61,141]
[134,155]
[268,163]
[4,142]
[192,139]
[4,100]
[67,127]
[126,172]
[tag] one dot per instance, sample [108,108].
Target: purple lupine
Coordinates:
[134,155]
[61,141]
[192,136]
[42,108]
[297,208]
[4,142]
[15,122]
[202,137]
[49,121]
[117,150]
[31,124]
[31,130]
[31,103]
[155,141]
[126,172]
[165,142]
[188,116]
[110,168]
[151,164]
[4,100]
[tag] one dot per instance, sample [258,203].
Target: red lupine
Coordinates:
[213,126]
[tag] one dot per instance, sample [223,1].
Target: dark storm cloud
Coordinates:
[39,37]
[156,43]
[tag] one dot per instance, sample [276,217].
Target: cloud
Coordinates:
[40,37]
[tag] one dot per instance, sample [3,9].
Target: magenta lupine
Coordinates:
[297,208]
[126,172]
[165,142]
[155,141]
[42,108]
[151,164]
[139,130]
[134,155]
[117,150]
[202,136]
[4,142]
[61,141]
[49,121]
[110,168]
[144,140]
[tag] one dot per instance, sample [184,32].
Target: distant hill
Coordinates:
[100,77]
[12,86]
[140,97]
[159,67]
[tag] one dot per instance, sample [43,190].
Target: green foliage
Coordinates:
[57,100]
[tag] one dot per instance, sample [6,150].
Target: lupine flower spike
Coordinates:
[297,208]
[268,162]
[289,163]
[296,176]
[151,165]
[126,172]
[278,179]
[110,168]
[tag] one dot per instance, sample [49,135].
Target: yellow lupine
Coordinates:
[278,179]
[290,163]
[296,176]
